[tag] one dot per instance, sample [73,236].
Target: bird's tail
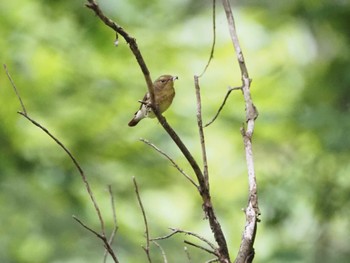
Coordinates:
[133,122]
[139,115]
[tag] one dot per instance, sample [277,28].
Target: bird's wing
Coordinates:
[145,99]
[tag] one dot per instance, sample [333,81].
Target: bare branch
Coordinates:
[15,89]
[75,162]
[115,228]
[200,247]
[213,44]
[188,254]
[171,160]
[132,44]
[87,227]
[223,104]
[246,251]
[165,260]
[102,237]
[204,191]
[144,220]
[79,168]
[201,133]
[212,260]
[177,231]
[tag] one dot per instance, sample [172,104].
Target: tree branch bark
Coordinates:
[246,251]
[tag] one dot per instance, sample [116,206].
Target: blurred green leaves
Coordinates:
[75,82]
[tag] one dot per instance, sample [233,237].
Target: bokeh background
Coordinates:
[75,82]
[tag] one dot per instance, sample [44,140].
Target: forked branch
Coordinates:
[148,239]
[202,181]
[246,251]
[102,236]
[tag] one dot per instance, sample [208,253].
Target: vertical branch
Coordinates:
[214,40]
[144,220]
[115,228]
[246,251]
[201,133]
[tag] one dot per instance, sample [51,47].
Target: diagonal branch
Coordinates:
[132,44]
[200,247]
[76,164]
[115,228]
[102,237]
[15,89]
[177,231]
[165,260]
[172,161]
[223,104]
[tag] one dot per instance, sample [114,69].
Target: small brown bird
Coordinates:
[164,94]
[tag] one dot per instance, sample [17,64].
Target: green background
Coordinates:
[75,82]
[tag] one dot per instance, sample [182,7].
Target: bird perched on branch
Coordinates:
[164,94]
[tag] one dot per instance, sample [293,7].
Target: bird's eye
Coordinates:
[162,80]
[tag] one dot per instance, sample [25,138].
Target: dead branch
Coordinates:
[102,237]
[212,260]
[201,132]
[180,231]
[223,104]
[146,248]
[204,191]
[188,254]
[76,164]
[172,161]
[246,251]
[115,228]
[200,247]
[165,260]
[132,44]
[213,44]
[15,89]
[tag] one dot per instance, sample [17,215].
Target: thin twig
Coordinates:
[213,44]
[80,170]
[15,89]
[76,164]
[165,260]
[102,237]
[200,247]
[115,228]
[87,227]
[201,132]
[188,254]
[144,220]
[177,231]
[223,104]
[212,260]
[171,160]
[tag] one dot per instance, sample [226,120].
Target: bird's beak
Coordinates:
[175,78]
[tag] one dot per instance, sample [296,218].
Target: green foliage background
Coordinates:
[75,82]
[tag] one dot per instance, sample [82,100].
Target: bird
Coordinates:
[164,94]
